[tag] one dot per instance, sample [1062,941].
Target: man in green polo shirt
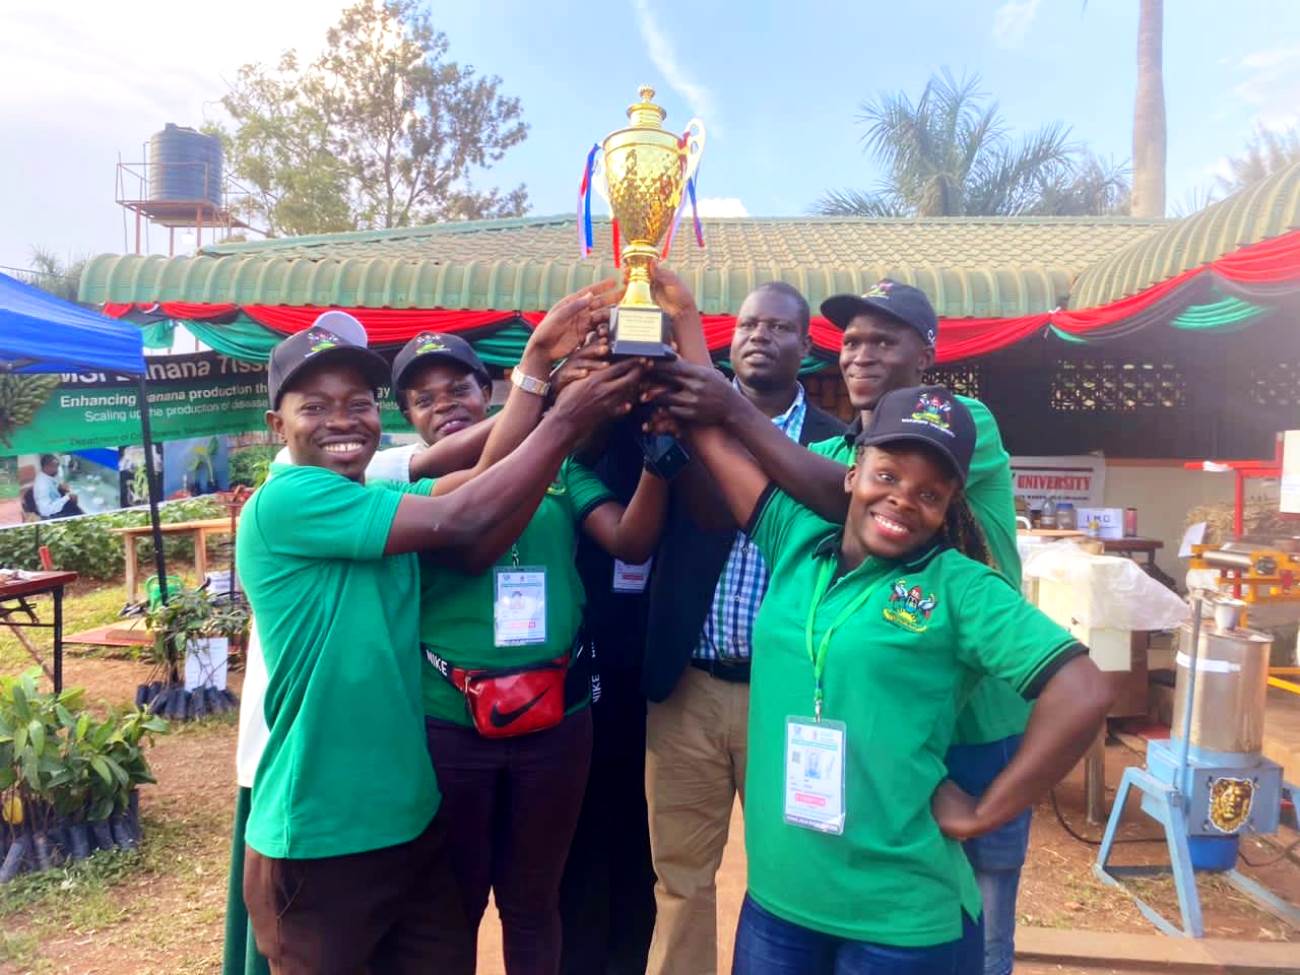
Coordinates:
[889,342]
[346,868]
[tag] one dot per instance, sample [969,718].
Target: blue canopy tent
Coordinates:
[42,333]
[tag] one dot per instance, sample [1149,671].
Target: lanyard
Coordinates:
[818,657]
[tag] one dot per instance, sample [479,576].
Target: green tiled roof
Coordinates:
[1267,209]
[980,267]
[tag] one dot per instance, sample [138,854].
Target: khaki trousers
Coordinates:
[695,766]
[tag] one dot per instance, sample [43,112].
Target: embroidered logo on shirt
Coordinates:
[933,409]
[555,487]
[910,607]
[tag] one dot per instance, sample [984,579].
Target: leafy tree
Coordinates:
[949,154]
[1266,153]
[380,130]
[58,277]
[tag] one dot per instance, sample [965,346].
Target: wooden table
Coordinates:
[14,596]
[1131,548]
[199,529]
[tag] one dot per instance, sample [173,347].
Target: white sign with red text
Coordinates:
[1080,480]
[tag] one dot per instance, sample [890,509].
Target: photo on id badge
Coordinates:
[519,613]
[814,774]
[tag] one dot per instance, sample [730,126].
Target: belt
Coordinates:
[733,672]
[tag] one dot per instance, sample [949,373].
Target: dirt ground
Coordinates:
[166,917]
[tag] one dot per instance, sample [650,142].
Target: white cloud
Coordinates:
[1270,87]
[722,206]
[1012,20]
[659,48]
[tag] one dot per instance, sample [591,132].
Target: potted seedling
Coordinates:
[193,631]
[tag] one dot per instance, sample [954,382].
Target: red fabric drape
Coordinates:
[1273,261]
[383,325]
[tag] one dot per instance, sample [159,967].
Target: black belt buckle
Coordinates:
[732,673]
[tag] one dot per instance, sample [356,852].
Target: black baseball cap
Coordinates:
[314,346]
[437,345]
[901,302]
[924,414]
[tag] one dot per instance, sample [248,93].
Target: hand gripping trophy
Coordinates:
[644,172]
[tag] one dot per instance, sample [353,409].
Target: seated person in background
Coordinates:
[51,497]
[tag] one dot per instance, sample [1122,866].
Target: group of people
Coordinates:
[538,655]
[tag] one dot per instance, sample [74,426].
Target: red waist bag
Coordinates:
[511,702]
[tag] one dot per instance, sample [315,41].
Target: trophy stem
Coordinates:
[638,281]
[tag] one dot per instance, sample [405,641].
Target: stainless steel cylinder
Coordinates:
[1231,688]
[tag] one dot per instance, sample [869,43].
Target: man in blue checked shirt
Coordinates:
[707,586]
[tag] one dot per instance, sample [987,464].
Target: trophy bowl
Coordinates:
[645,169]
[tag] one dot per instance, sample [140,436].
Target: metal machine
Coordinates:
[1208,783]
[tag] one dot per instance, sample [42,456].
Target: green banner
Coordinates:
[198,395]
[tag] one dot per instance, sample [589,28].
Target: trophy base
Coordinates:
[638,331]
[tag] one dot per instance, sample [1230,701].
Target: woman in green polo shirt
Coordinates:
[506,691]
[870,638]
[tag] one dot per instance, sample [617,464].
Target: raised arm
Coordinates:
[559,333]
[698,394]
[631,532]
[738,477]
[454,452]
[480,519]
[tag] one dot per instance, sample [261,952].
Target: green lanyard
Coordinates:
[818,657]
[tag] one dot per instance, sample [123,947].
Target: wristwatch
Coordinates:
[529,384]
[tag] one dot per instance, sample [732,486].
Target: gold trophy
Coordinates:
[645,170]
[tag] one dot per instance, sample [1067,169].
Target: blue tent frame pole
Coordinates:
[160,562]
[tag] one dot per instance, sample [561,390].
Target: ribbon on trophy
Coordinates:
[584,206]
[694,170]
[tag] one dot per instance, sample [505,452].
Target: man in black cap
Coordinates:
[345,865]
[889,340]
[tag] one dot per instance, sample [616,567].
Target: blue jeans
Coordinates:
[767,945]
[997,856]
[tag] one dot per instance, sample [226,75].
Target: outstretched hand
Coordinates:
[572,318]
[591,356]
[604,394]
[691,393]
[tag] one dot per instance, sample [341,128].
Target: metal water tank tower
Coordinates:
[184,164]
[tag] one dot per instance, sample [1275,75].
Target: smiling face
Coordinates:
[769,342]
[898,499]
[441,397]
[329,418]
[880,354]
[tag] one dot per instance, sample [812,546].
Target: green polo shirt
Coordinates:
[345,768]
[456,609]
[994,711]
[893,675]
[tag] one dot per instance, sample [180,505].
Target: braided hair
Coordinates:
[963,532]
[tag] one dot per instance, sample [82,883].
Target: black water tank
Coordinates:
[184,165]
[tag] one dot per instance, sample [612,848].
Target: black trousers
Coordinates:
[607,903]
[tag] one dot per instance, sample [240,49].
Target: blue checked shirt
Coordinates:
[728,627]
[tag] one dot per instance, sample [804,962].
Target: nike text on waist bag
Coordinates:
[506,703]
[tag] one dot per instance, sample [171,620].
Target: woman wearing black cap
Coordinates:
[506,679]
[872,633]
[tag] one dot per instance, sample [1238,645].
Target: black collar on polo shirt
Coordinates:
[917,558]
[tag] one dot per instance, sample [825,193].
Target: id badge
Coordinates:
[631,578]
[814,774]
[519,609]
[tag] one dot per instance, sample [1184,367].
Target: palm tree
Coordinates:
[949,155]
[1149,135]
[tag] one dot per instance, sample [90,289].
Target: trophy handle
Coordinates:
[695,138]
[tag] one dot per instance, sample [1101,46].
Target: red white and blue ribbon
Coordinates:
[584,204]
[681,205]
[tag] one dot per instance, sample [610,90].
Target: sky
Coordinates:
[778,86]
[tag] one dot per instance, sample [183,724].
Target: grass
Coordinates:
[83,607]
[150,902]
